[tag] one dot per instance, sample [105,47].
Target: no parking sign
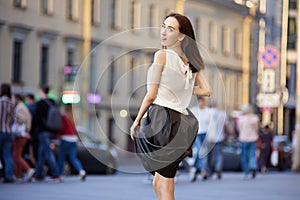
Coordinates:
[270,56]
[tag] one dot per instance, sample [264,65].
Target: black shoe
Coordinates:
[253,173]
[8,181]
[219,175]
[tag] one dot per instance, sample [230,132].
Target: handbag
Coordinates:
[18,130]
[165,136]
[274,157]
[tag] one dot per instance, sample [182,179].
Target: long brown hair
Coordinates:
[189,45]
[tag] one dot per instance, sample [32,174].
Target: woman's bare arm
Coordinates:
[202,88]
[157,68]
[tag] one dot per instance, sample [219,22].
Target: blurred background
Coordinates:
[95,53]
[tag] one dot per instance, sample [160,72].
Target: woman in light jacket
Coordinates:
[21,128]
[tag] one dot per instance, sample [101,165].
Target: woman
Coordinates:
[265,148]
[247,126]
[21,136]
[170,85]
[68,143]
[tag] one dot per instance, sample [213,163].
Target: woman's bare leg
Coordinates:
[156,186]
[164,187]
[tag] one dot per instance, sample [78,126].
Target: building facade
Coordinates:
[219,29]
[99,50]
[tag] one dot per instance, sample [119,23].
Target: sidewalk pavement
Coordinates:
[124,186]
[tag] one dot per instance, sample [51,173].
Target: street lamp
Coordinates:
[247,3]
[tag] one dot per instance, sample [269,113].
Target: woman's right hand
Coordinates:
[203,88]
[134,126]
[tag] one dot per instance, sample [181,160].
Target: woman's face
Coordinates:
[169,33]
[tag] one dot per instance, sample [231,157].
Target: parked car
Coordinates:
[95,157]
[231,158]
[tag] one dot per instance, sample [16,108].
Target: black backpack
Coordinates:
[54,117]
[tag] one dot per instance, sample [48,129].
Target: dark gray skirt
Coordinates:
[164,139]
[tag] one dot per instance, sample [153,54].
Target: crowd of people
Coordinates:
[207,154]
[216,129]
[24,131]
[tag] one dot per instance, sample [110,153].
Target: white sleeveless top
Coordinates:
[176,84]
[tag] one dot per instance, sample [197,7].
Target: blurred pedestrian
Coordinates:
[170,81]
[202,114]
[265,148]
[6,120]
[31,103]
[247,126]
[44,135]
[215,139]
[68,143]
[21,128]
[296,149]
[31,149]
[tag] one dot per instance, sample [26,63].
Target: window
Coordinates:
[135,14]
[70,56]
[95,12]
[213,37]
[17,61]
[72,10]
[116,14]
[238,43]
[47,7]
[70,77]
[225,40]
[198,28]
[153,19]
[132,75]
[20,4]
[112,75]
[293,4]
[291,82]
[292,33]
[111,130]
[44,64]
[93,75]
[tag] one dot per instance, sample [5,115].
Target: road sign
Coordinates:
[268,100]
[270,56]
[268,81]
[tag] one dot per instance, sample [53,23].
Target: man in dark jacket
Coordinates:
[44,135]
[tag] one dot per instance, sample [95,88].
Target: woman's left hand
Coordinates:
[134,126]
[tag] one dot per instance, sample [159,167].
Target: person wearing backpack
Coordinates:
[44,134]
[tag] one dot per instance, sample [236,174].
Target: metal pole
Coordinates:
[85,68]
[246,59]
[296,162]
[283,60]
